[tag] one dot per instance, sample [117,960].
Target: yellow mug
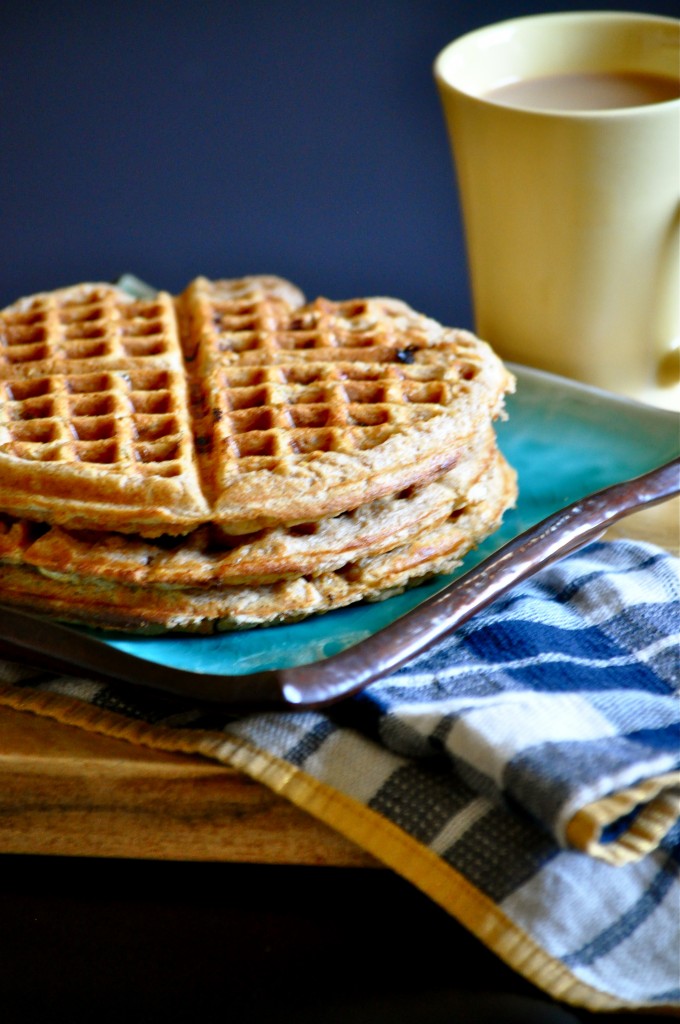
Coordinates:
[571,216]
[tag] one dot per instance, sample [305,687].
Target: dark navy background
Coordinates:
[172,139]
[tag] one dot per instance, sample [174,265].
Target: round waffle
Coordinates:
[238,405]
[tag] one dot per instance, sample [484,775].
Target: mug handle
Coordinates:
[668,366]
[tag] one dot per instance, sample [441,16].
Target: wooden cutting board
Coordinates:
[65,791]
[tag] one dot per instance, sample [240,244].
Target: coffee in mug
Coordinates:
[588,91]
[565,134]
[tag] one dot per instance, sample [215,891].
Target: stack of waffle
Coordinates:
[236,456]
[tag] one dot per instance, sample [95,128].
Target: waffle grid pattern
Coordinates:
[358,330]
[115,403]
[123,419]
[280,383]
[98,324]
[278,413]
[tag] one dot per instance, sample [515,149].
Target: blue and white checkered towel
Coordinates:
[561,696]
[525,773]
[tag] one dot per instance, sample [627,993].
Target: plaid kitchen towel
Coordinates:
[525,773]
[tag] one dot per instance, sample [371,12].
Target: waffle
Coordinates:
[94,424]
[207,557]
[303,414]
[158,608]
[238,405]
[237,456]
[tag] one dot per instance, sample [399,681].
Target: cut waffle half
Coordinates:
[159,608]
[306,413]
[94,422]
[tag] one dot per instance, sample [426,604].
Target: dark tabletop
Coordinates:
[99,940]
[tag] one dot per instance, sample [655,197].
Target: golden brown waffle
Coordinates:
[94,425]
[256,412]
[87,328]
[155,608]
[307,413]
[207,557]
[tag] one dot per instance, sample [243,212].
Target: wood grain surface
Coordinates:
[65,791]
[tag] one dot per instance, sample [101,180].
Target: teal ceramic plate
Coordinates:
[564,439]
